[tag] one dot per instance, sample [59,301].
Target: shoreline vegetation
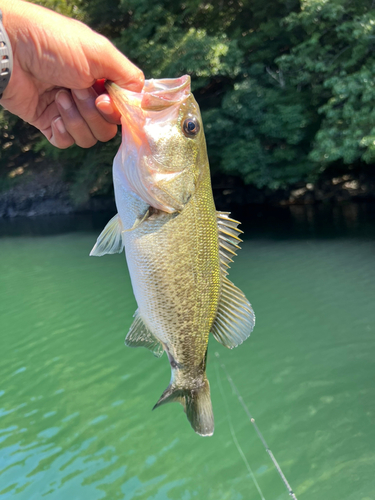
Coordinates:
[43,190]
[285,88]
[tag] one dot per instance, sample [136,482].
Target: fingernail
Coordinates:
[82,94]
[60,125]
[63,98]
[105,107]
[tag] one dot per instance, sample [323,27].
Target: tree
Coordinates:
[332,63]
[285,87]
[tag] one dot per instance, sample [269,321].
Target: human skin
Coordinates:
[56,62]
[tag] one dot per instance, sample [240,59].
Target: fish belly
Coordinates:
[173,261]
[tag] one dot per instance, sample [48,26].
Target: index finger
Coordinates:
[108,109]
[105,104]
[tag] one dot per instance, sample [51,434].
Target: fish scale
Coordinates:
[165,263]
[178,247]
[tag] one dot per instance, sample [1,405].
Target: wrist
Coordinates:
[15,12]
[12,14]
[17,15]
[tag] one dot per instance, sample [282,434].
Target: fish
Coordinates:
[178,246]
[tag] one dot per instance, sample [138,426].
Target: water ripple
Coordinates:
[75,411]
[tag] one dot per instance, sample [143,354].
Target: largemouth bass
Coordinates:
[178,247]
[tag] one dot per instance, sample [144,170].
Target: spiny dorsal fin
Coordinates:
[140,336]
[110,239]
[228,239]
[235,317]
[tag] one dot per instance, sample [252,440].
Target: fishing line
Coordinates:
[240,451]
[252,420]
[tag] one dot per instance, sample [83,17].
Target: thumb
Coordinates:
[111,64]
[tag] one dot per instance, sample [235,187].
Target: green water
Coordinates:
[75,403]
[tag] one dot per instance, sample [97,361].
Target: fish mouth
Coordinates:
[160,94]
[156,95]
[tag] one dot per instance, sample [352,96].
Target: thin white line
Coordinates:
[235,438]
[252,420]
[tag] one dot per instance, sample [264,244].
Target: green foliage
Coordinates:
[286,87]
[69,8]
[89,172]
[258,133]
[255,128]
[165,42]
[16,142]
[333,63]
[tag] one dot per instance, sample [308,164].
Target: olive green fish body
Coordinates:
[177,246]
[174,264]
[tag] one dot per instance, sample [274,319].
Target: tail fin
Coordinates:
[197,406]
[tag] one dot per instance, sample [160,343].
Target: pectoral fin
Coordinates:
[140,336]
[110,239]
[138,221]
[235,317]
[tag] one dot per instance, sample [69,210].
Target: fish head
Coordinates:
[163,150]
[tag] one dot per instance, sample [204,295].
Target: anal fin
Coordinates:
[140,336]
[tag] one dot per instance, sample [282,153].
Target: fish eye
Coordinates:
[191,126]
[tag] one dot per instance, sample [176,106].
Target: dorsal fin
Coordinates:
[228,239]
[110,239]
[235,317]
[140,336]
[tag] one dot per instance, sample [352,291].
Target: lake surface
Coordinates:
[75,403]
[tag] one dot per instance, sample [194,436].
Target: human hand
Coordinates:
[56,62]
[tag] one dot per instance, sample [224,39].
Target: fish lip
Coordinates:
[167,86]
[156,95]
[122,97]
